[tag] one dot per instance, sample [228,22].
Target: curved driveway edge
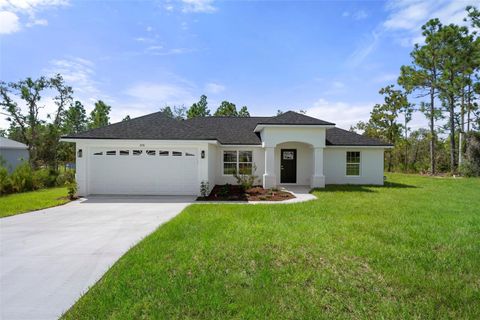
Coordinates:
[50,257]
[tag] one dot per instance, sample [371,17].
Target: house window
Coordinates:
[137,152]
[163,153]
[353,163]
[237,161]
[111,153]
[124,152]
[176,153]
[150,152]
[245,162]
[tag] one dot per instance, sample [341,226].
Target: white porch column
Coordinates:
[269,179]
[318,179]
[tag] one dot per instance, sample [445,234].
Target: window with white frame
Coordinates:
[353,163]
[237,161]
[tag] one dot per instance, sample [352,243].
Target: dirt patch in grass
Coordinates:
[237,193]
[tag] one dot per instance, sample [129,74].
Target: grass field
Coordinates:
[410,249]
[28,201]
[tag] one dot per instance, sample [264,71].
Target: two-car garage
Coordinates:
[142,171]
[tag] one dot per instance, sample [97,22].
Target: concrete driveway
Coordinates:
[48,258]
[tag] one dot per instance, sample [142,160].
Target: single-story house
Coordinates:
[12,153]
[157,155]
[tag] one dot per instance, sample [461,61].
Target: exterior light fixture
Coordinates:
[79,153]
[203,154]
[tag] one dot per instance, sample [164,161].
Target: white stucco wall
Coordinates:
[371,166]
[213,160]
[258,159]
[314,136]
[304,161]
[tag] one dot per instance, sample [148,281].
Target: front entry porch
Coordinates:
[294,163]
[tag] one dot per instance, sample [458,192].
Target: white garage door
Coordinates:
[169,171]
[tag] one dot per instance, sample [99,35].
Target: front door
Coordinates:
[288,166]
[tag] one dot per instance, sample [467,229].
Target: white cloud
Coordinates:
[9,22]
[12,13]
[407,17]
[343,114]
[198,6]
[80,74]
[38,22]
[404,22]
[368,44]
[214,88]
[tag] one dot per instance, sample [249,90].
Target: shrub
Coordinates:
[72,189]
[471,166]
[246,180]
[64,177]
[5,185]
[44,178]
[204,188]
[22,178]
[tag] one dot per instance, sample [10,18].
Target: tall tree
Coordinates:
[75,118]
[424,74]
[199,109]
[226,109]
[455,40]
[167,111]
[100,115]
[178,112]
[27,124]
[243,112]
[383,122]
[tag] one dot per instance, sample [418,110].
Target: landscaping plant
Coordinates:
[204,188]
[246,179]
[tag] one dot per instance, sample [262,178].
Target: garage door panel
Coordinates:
[148,173]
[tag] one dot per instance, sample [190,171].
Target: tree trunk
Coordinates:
[469,107]
[406,144]
[452,133]
[462,129]
[432,131]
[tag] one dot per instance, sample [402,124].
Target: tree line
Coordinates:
[443,80]
[42,134]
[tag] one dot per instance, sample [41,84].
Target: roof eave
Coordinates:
[261,126]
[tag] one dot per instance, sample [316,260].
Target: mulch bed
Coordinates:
[237,193]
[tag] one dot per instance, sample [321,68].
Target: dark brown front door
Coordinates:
[288,166]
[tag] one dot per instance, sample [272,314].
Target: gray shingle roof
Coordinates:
[154,126]
[227,130]
[294,118]
[11,144]
[340,137]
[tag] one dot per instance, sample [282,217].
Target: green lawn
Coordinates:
[28,201]
[410,249]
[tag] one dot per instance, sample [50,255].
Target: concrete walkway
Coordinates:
[48,258]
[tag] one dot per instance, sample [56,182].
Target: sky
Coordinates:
[327,58]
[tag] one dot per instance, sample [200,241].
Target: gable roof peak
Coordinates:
[295,118]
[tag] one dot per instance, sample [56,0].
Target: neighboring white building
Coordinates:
[157,155]
[12,153]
